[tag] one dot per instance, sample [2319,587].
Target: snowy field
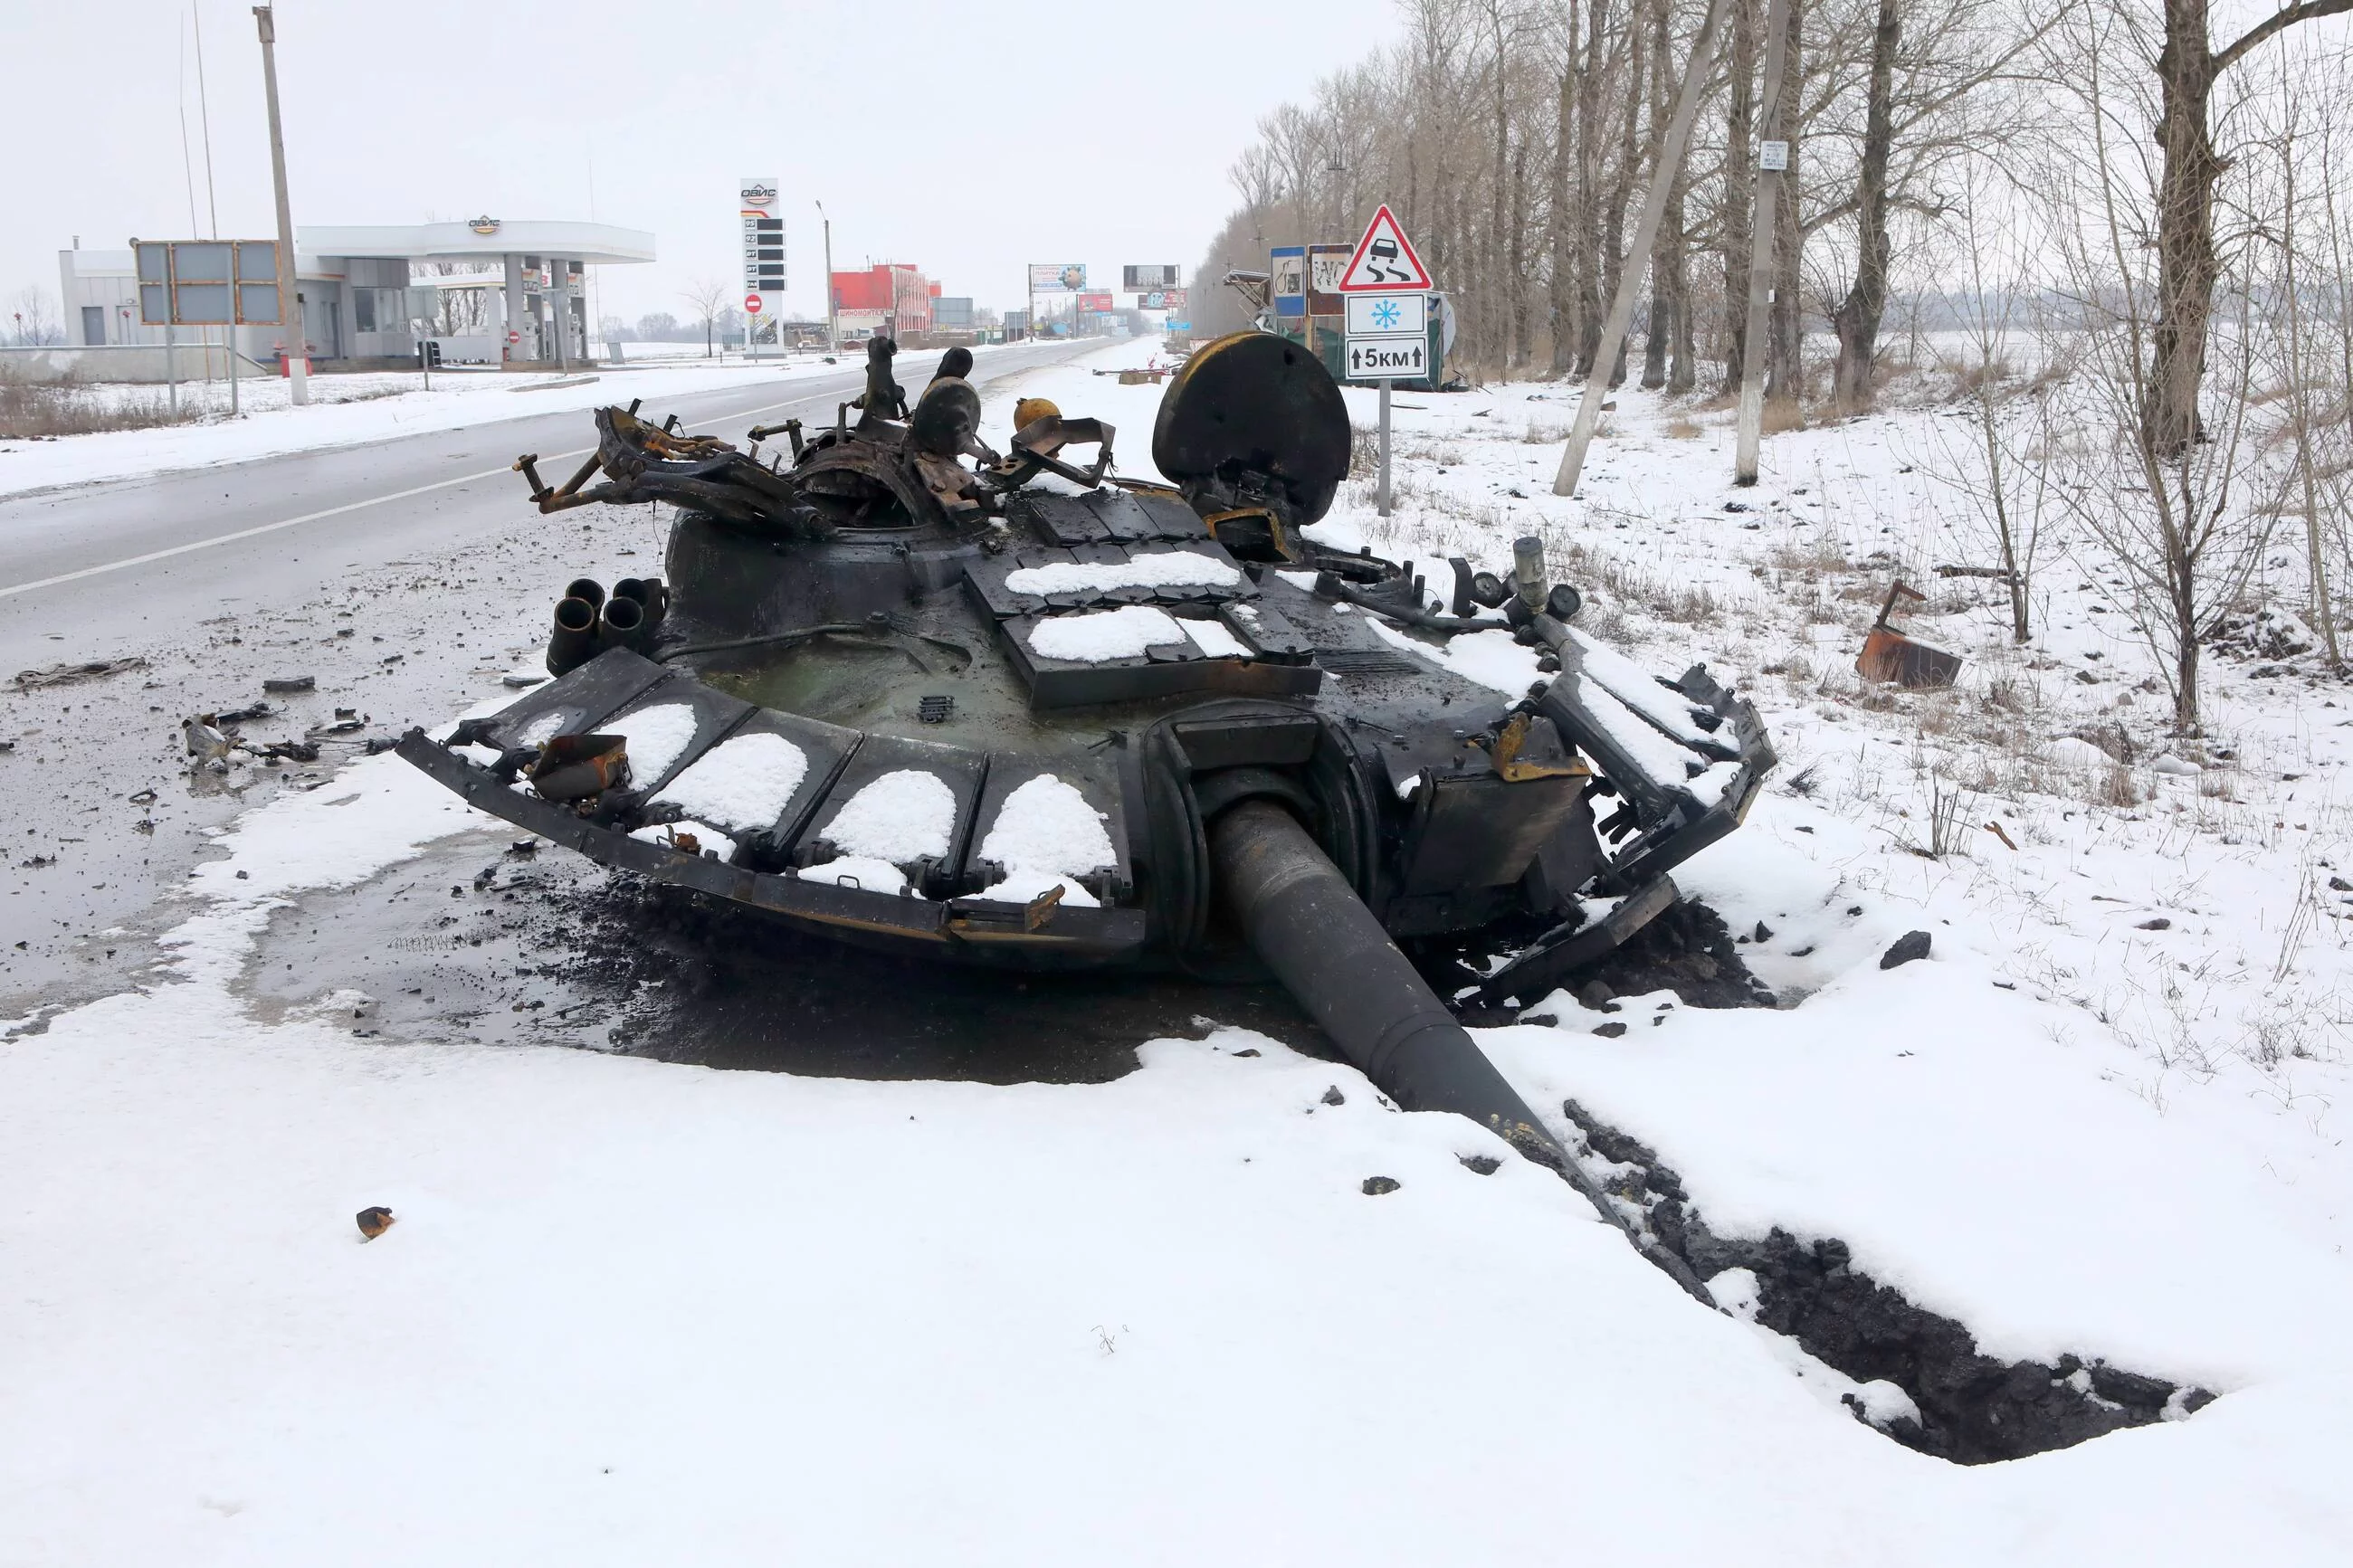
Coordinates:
[632,1311]
[348,410]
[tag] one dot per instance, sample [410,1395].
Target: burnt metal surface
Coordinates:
[898,600]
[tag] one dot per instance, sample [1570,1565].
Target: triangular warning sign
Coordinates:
[1385,260]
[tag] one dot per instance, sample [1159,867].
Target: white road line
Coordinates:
[338,511]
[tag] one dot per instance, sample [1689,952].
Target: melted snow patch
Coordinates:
[1653,752]
[1638,689]
[705,837]
[1160,569]
[656,736]
[1045,833]
[860,871]
[544,727]
[1102,634]
[898,818]
[1213,639]
[743,783]
[1496,661]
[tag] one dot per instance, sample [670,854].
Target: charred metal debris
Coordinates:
[1250,747]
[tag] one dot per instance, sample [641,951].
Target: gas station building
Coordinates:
[364,288]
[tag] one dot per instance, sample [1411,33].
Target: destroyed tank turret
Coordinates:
[1004,709]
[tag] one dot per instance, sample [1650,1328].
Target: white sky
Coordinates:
[969,138]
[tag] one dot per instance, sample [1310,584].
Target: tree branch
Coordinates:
[2279,22]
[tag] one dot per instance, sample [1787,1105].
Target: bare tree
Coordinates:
[2007,476]
[1859,314]
[30,323]
[2187,67]
[2171,521]
[707,299]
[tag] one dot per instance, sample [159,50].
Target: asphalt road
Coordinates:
[404,575]
[100,562]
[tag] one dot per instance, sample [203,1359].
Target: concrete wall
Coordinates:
[147,364]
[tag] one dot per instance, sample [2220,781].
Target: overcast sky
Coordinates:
[969,138]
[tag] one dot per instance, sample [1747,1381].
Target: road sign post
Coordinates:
[1388,359]
[1385,293]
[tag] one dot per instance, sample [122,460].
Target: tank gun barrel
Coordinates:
[1307,924]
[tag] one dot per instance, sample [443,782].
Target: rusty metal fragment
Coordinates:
[1890,657]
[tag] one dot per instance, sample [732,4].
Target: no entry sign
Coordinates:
[752,305]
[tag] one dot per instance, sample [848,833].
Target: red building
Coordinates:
[893,298]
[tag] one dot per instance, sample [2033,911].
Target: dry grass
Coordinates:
[1783,415]
[1615,581]
[38,411]
[1682,429]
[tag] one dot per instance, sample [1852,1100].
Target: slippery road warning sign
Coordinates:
[1388,359]
[1384,260]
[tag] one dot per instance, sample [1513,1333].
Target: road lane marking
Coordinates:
[193,545]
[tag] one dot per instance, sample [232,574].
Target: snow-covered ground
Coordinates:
[636,1312]
[348,410]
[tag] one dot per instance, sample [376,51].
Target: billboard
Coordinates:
[1147,279]
[207,282]
[1057,277]
[1162,299]
[763,234]
[1100,303]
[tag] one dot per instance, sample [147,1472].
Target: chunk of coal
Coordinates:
[2159,923]
[281,684]
[1611,1030]
[1912,944]
[1332,1096]
[1485,1164]
[1376,1185]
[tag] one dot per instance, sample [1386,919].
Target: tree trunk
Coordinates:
[1589,180]
[1621,190]
[2187,721]
[1683,364]
[1859,313]
[1663,315]
[1562,228]
[1516,277]
[1739,200]
[1784,370]
[2187,267]
[1498,236]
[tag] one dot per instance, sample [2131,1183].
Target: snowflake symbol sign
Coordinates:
[1385,314]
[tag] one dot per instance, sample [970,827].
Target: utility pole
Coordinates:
[1773,159]
[289,304]
[832,320]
